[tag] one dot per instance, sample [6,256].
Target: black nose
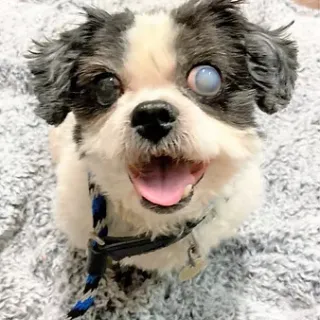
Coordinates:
[153,120]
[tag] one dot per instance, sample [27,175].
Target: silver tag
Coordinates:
[195,264]
[190,271]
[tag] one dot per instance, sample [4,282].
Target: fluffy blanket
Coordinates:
[270,270]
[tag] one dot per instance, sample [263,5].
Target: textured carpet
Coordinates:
[271,270]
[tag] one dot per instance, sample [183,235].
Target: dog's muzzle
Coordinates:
[153,120]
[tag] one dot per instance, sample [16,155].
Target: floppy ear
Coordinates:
[53,64]
[272,63]
[51,67]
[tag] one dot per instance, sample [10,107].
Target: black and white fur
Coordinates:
[151,54]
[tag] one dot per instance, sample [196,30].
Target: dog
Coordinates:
[160,109]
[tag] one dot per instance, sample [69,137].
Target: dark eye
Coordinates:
[108,89]
[205,80]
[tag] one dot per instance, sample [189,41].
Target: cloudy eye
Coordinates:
[205,80]
[108,89]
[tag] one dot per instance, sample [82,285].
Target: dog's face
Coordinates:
[164,102]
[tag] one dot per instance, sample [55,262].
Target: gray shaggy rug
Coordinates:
[270,270]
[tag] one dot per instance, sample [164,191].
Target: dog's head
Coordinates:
[164,102]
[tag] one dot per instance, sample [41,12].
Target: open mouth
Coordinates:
[165,182]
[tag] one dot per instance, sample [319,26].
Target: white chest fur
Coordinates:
[73,210]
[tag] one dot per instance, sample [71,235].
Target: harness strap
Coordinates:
[125,247]
[99,211]
[101,248]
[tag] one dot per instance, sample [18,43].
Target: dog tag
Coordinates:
[190,271]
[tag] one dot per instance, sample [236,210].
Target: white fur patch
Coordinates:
[151,60]
[73,212]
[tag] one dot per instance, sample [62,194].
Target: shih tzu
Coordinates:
[158,109]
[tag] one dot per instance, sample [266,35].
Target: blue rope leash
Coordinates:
[116,249]
[99,211]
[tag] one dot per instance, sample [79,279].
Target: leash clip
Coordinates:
[94,237]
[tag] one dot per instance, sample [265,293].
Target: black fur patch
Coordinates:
[59,66]
[77,134]
[129,278]
[216,33]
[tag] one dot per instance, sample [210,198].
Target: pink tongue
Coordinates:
[164,186]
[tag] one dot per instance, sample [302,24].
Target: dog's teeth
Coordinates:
[187,191]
